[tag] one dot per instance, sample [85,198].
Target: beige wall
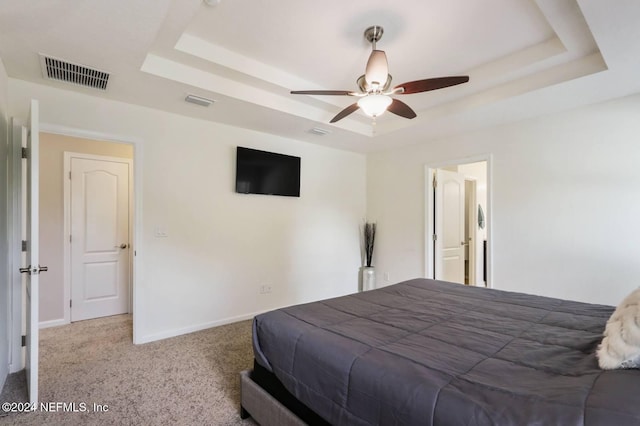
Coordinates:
[564,202]
[52,149]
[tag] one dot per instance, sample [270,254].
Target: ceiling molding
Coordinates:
[192,76]
[530,68]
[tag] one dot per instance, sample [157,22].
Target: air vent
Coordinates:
[318,131]
[199,100]
[57,69]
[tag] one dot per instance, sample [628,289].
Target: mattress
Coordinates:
[428,352]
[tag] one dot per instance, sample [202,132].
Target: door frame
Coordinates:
[135,210]
[66,270]
[429,204]
[16,202]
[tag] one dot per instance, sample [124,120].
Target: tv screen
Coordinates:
[261,172]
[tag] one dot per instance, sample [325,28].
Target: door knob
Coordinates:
[123,246]
[34,271]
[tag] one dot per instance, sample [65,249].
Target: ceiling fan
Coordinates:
[375,96]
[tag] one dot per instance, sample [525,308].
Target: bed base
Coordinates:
[261,388]
[266,410]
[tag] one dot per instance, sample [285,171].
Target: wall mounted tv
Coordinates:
[261,172]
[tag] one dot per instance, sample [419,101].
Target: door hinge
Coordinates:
[69,237]
[69,175]
[435,237]
[24,341]
[25,153]
[24,245]
[70,303]
[435,182]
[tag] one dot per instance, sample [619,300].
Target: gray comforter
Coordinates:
[428,352]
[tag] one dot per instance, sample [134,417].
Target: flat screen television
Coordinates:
[261,172]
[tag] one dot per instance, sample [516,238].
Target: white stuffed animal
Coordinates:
[620,347]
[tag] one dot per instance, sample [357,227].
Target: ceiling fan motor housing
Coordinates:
[373,34]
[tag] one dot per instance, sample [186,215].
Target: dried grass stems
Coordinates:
[369,240]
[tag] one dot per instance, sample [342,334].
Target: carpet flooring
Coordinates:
[186,380]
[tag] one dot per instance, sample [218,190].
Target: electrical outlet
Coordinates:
[160,232]
[265,289]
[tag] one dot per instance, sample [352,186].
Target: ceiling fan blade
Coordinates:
[323,92]
[400,108]
[342,114]
[377,69]
[431,84]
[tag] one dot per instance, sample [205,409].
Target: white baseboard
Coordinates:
[52,323]
[193,328]
[15,367]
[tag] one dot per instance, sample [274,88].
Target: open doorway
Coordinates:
[86,189]
[457,222]
[24,206]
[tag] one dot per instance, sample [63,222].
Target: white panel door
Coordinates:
[449,226]
[99,238]
[31,272]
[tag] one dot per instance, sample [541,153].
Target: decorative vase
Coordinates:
[368,278]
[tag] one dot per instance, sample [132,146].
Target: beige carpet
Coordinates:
[186,380]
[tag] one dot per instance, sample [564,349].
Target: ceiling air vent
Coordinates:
[319,131]
[57,69]
[199,100]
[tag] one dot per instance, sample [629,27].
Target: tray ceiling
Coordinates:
[524,58]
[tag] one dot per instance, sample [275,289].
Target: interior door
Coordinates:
[31,272]
[449,226]
[99,238]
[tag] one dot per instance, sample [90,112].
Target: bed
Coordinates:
[428,352]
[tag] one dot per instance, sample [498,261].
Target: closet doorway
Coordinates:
[99,173]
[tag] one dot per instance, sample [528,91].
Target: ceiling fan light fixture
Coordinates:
[374,105]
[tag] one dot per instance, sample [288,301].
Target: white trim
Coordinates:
[14,198]
[52,323]
[87,134]
[428,217]
[66,259]
[136,242]
[66,230]
[198,327]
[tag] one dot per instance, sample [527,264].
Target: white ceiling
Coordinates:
[524,58]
